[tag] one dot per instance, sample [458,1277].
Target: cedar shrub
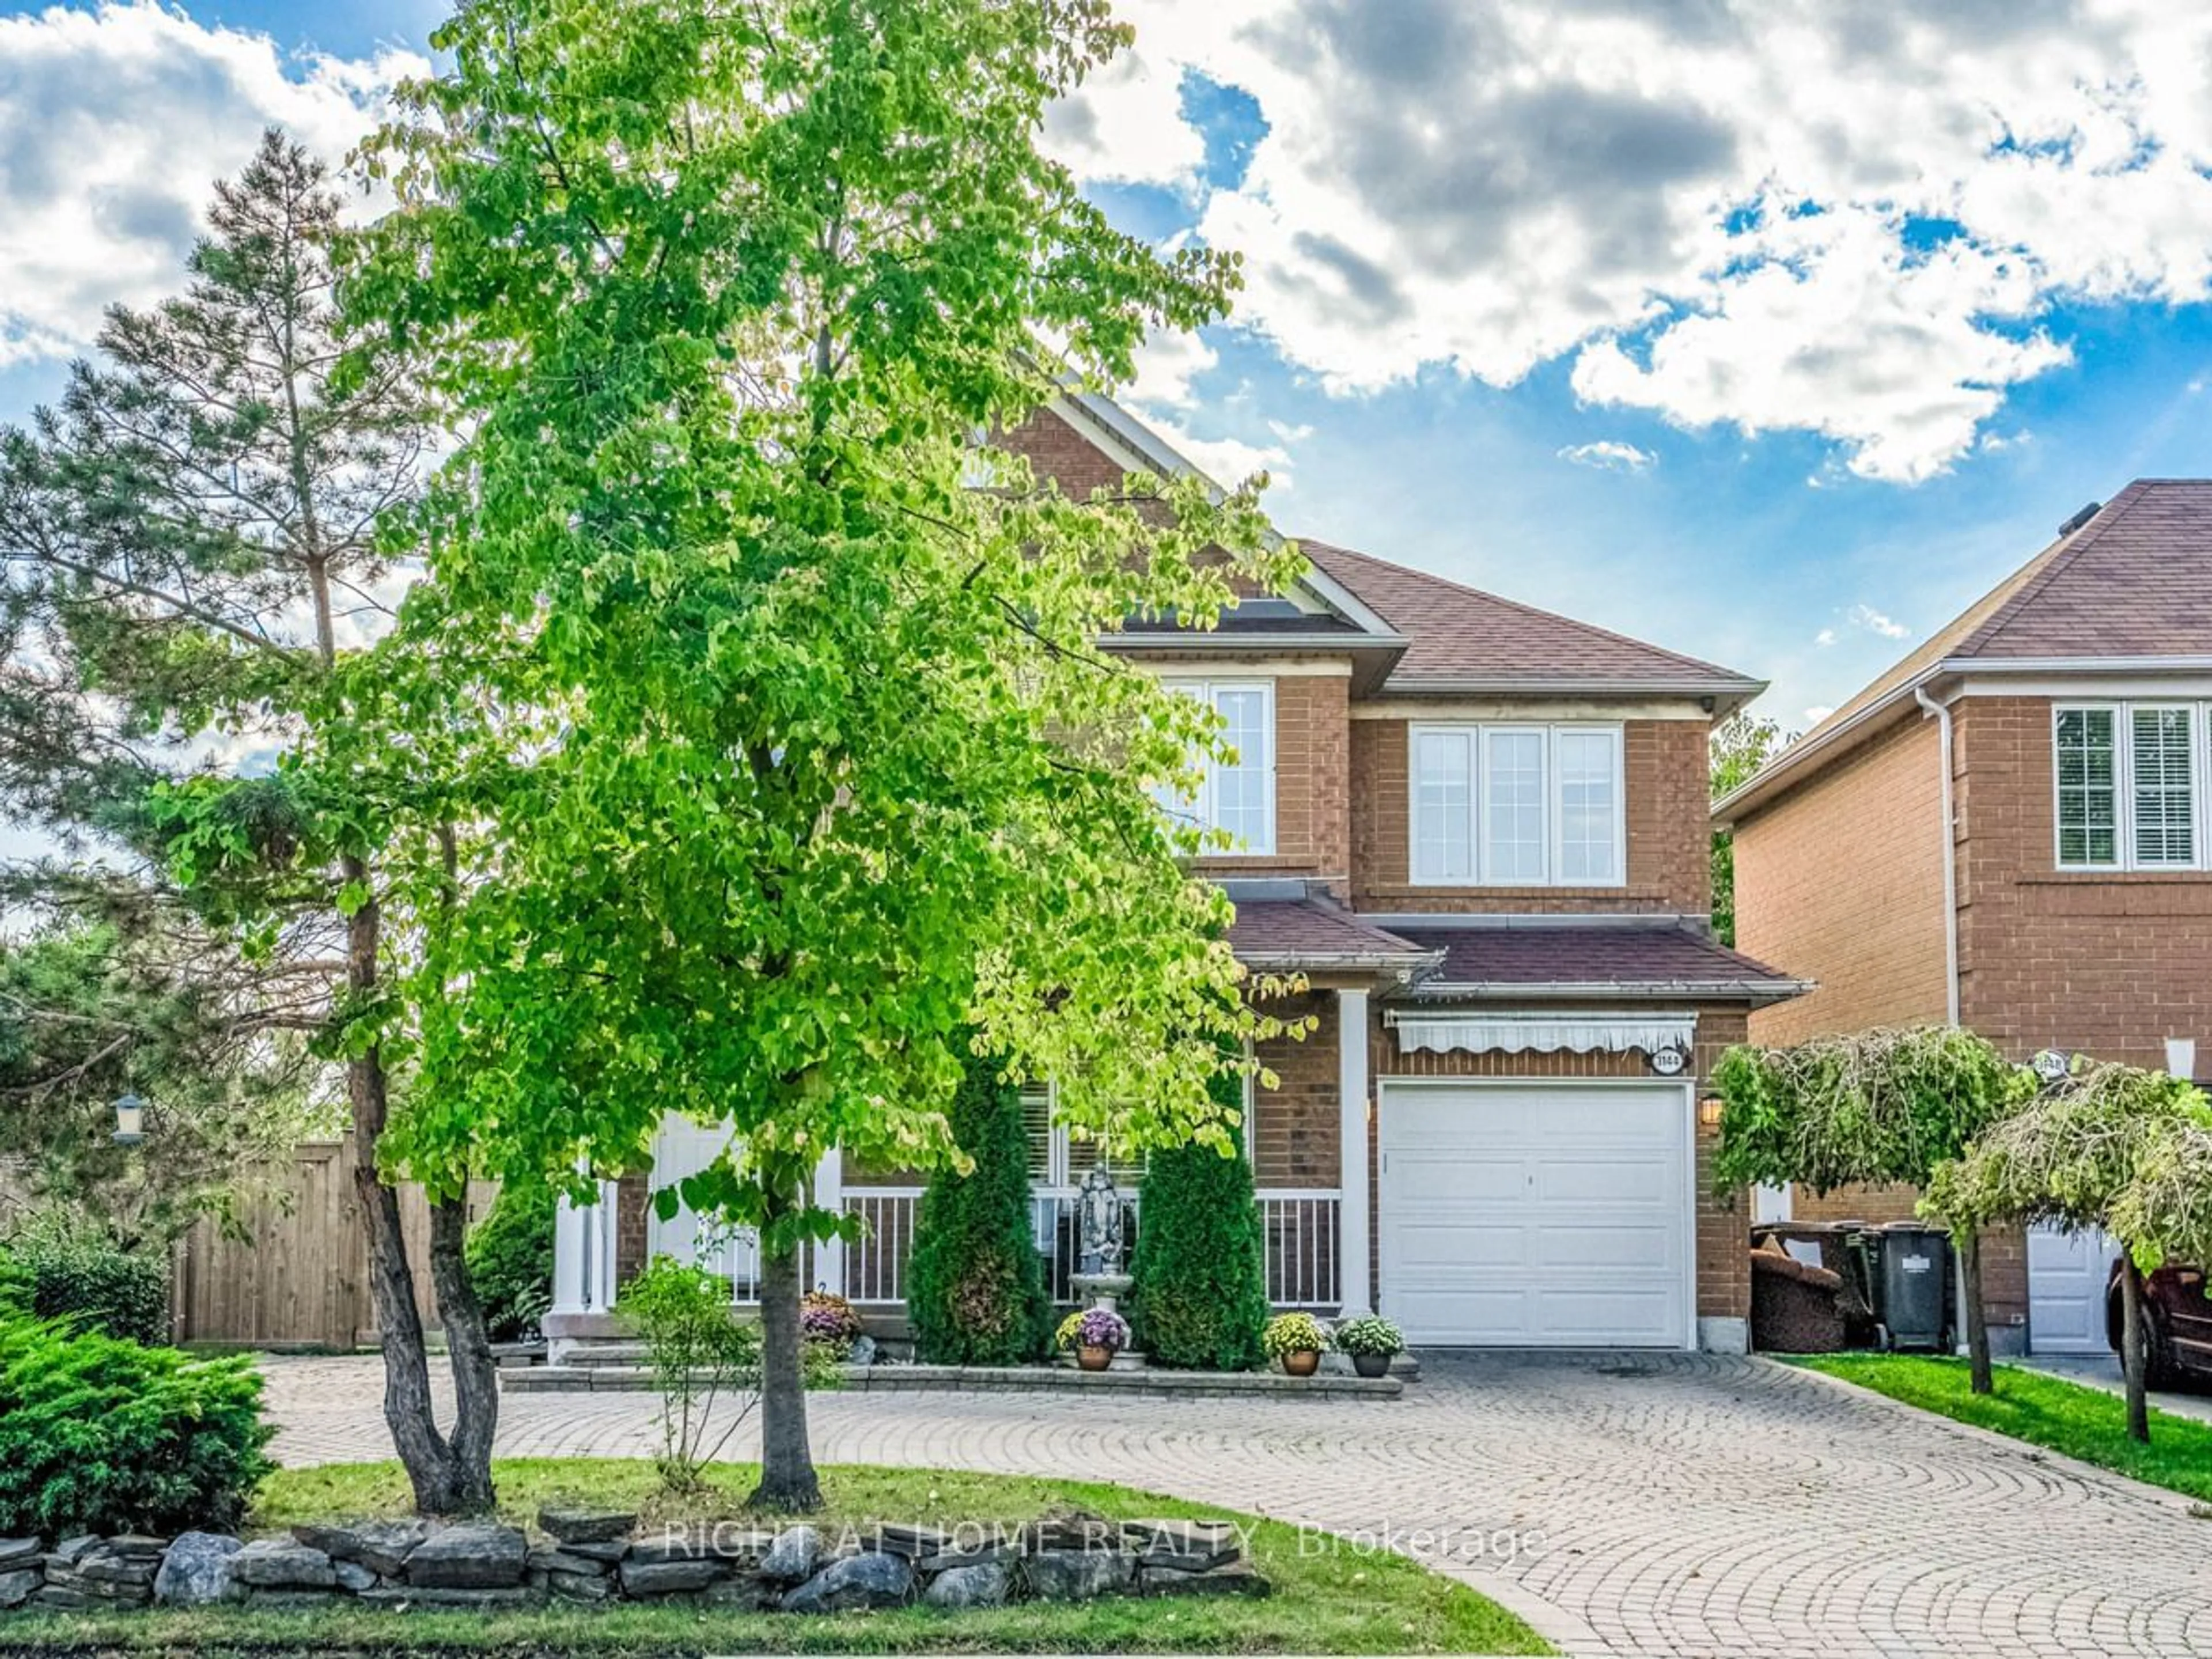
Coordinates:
[1201,1295]
[975,1289]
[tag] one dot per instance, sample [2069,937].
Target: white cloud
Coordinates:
[1845,219]
[1126,124]
[1166,364]
[1817,713]
[1608,455]
[1866,617]
[1225,460]
[117,122]
[1825,638]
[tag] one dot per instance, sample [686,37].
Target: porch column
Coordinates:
[829,1194]
[584,1253]
[1352,1230]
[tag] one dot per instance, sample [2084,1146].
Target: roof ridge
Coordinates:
[2070,549]
[1520,605]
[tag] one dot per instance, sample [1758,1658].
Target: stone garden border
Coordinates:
[591,1559]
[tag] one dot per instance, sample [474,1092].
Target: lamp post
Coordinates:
[130,1120]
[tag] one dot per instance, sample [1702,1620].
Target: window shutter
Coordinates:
[1036,1129]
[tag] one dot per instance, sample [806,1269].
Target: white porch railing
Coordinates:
[1300,1226]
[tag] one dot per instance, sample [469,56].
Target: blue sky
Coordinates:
[1642,312]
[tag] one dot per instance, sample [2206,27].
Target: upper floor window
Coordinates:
[1517,806]
[1238,793]
[2130,785]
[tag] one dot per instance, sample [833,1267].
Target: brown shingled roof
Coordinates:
[1607,961]
[1460,637]
[1282,932]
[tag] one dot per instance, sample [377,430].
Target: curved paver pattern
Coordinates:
[1658,1505]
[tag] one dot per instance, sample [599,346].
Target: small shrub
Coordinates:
[101,1435]
[976,1285]
[92,1284]
[1295,1332]
[827,1320]
[511,1260]
[700,1355]
[1369,1334]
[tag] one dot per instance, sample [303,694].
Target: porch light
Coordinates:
[130,1120]
[1708,1112]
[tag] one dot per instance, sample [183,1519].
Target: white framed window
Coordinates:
[1517,806]
[2130,785]
[1057,1158]
[1238,793]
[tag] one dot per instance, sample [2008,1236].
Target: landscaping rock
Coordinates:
[19,1552]
[544,1560]
[747,1591]
[477,1555]
[20,1585]
[674,1544]
[793,1555]
[137,1546]
[514,1598]
[131,1572]
[1077,1575]
[1186,1545]
[1071,1530]
[873,1580]
[734,1544]
[291,1600]
[907,1541]
[353,1577]
[380,1546]
[67,1552]
[1236,1579]
[66,1601]
[987,1585]
[282,1563]
[107,1591]
[579,1586]
[607,1554]
[573,1526]
[196,1571]
[676,1577]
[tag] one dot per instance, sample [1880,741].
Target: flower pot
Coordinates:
[1302,1361]
[1371,1364]
[1093,1357]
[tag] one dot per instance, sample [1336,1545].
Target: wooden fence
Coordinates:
[299,1278]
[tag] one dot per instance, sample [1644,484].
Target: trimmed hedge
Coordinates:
[510,1256]
[1201,1296]
[90,1283]
[975,1289]
[98,1435]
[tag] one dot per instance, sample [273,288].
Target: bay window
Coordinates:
[1517,806]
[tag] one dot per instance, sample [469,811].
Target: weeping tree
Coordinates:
[768,683]
[2109,1147]
[1871,1107]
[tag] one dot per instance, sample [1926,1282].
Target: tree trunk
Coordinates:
[441,1485]
[2135,1348]
[468,1350]
[1969,1242]
[787,1478]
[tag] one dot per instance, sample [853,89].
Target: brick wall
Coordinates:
[1057,450]
[1294,1137]
[1665,774]
[1842,882]
[2105,964]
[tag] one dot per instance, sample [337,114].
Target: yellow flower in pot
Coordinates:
[1298,1339]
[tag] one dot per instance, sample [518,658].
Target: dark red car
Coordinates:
[2180,1318]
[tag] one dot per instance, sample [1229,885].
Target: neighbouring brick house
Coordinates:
[1478,831]
[2008,829]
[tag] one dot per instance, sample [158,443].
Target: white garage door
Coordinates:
[1536,1215]
[2066,1275]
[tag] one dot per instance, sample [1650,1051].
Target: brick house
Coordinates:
[2008,829]
[1478,831]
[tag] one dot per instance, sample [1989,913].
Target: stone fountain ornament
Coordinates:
[1098,1253]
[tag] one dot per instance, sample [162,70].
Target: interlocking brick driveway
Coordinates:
[1678,1505]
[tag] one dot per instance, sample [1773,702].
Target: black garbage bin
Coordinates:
[1916,1269]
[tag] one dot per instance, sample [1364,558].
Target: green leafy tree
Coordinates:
[1742,745]
[2110,1146]
[975,1289]
[700,1355]
[1881,1106]
[772,682]
[192,556]
[1200,1295]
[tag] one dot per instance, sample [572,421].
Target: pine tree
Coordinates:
[1201,1295]
[974,1285]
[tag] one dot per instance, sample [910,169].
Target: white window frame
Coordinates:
[1204,809]
[1478,810]
[2122,712]
[1060,1173]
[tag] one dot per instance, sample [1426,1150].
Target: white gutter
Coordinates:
[1943,713]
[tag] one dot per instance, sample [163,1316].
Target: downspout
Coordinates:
[1941,711]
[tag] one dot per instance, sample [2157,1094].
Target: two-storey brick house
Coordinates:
[1478,831]
[2008,829]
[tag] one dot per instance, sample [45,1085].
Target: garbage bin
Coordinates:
[1916,1269]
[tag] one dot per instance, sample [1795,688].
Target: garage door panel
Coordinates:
[1612,1180]
[1519,1214]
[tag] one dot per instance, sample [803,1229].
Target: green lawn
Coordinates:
[1334,1603]
[2044,1410]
